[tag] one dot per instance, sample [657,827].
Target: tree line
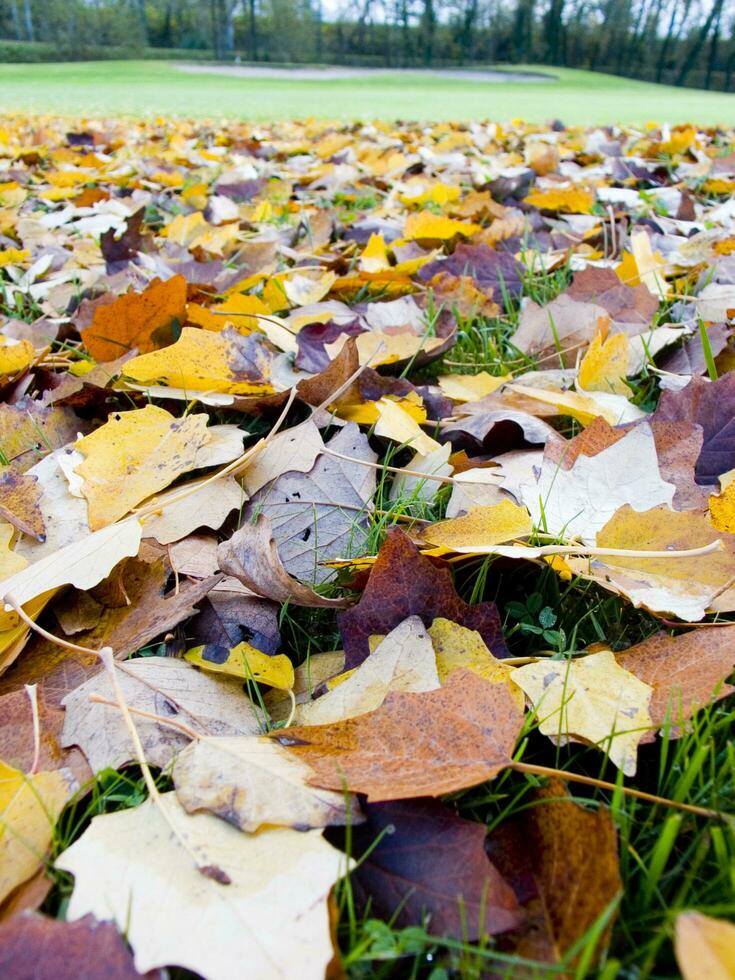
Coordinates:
[680,42]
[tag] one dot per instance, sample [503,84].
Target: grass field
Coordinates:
[152,88]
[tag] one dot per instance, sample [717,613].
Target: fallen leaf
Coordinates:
[51,949]
[83,564]
[623,303]
[403,661]
[711,405]
[425,744]
[19,504]
[591,698]
[251,556]
[686,672]
[704,946]
[254,782]
[562,860]
[471,387]
[17,739]
[135,454]
[160,686]
[323,513]
[133,862]
[189,506]
[457,647]
[209,362]
[244,662]
[420,864]
[29,806]
[142,321]
[579,501]
[396,424]
[605,365]
[481,526]
[404,583]
[557,331]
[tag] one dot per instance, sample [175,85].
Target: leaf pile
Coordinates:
[270,397]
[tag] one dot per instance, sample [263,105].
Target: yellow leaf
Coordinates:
[456,646]
[368,413]
[396,424]
[481,527]
[132,456]
[570,200]
[185,228]
[374,257]
[245,662]
[377,347]
[427,225]
[471,387]
[704,946]
[15,357]
[722,509]
[580,407]
[605,365]
[650,264]
[29,806]
[200,360]
[239,305]
[592,698]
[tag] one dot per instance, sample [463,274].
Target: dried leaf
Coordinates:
[253,782]
[244,662]
[705,946]
[160,686]
[251,556]
[132,861]
[592,698]
[420,863]
[143,321]
[135,454]
[404,583]
[51,949]
[29,806]
[425,744]
[403,661]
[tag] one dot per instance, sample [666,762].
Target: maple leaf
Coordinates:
[562,861]
[39,946]
[419,863]
[592,698]
[425,744]
[143,321]
[404,583]
[151,859]
[712,406]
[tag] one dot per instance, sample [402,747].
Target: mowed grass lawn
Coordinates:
[159,88]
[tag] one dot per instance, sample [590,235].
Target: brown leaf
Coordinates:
[555,332]
[404,583]
[428,862]
[564,856]
[711,405]
[34,947]
[125,628]
[17,746]
[684,671]
[29,430]
[424,744]
[137,320]
[19,497]
[624,304]
[251,555]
